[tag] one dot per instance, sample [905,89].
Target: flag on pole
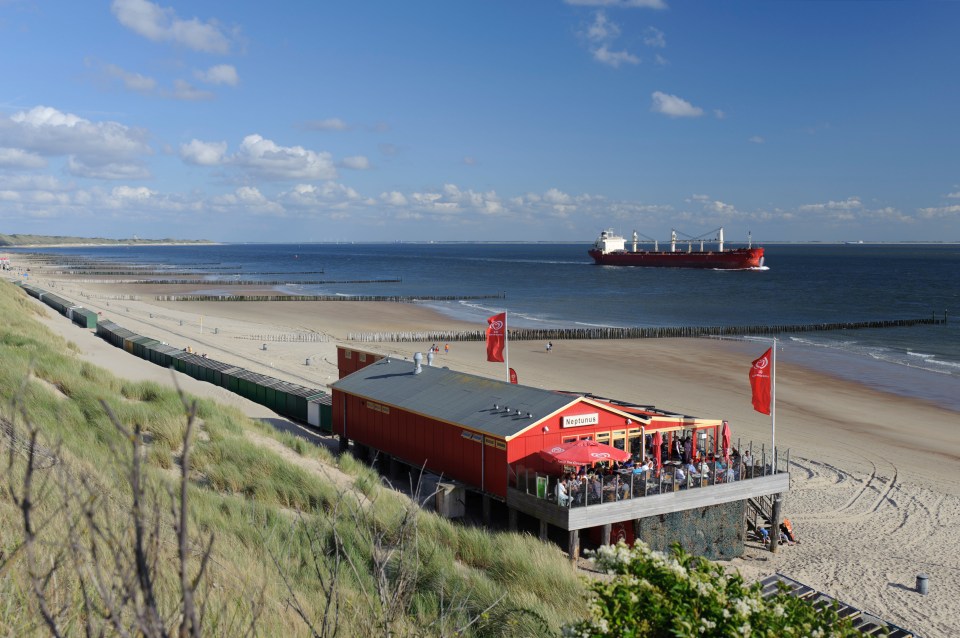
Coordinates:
[496,336]
[513,375]
[760,382]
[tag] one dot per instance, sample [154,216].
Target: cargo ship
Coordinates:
[610,250]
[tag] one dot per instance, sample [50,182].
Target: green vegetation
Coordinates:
[654,594]
[293,553]
[51,240]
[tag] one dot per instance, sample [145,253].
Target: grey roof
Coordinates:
[454,397]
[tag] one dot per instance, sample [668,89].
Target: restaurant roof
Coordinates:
[455,397]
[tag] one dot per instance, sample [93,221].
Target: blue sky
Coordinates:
[456,120]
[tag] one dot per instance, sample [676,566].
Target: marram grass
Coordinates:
[278,529]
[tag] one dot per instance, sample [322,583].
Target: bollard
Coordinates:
[308,362]
[263,347]
[922,584]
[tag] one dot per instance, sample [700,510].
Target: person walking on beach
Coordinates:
[549,346]
[446,348]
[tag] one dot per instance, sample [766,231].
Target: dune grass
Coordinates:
[286,540]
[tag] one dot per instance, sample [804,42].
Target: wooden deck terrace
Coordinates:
[577,518]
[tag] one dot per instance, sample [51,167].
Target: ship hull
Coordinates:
[739,259]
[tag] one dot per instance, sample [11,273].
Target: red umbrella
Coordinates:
[584,452]
[725,442]
[657,442]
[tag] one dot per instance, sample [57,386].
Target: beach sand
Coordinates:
[875,478]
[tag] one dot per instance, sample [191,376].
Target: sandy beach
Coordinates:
[875,495]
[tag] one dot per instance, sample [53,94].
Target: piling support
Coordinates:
[543,529]
[512,519]
[775,523]
[486,509]
[605,539]
[344,444]
[573,546]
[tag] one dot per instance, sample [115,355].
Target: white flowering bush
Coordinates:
[656,594]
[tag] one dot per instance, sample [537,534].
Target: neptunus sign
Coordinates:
[577,420]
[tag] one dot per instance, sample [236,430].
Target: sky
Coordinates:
[485,120]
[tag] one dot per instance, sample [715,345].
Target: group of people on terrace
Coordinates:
[638,476]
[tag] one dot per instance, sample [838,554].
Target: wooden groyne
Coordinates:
[394,298]
[549,334]
[234,282]
[138,272]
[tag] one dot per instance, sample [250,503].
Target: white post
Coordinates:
[773,403]
[506,347]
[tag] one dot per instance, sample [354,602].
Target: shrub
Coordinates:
[651,593]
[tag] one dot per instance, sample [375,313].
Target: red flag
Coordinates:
[760,382]
[513,375]
[496,336]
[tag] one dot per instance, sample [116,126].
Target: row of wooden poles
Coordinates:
[544,334]
[396,298]
[296,337]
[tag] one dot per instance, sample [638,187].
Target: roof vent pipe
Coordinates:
[417,359]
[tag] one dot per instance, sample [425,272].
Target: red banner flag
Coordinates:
[760,382]
[496,336]
[513,375]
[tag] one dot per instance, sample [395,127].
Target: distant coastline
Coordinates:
[61,241]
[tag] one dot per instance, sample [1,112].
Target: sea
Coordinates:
[557,285]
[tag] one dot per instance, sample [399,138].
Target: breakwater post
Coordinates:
[654,332]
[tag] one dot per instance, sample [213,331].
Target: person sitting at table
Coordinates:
[596,489]
[679,476]
[691,469]
[563,499]
[704,468]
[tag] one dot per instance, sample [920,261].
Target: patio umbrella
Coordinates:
[584,452]
[725,442]
[657,442]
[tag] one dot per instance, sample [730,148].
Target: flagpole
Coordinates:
[773,403]
[506,345]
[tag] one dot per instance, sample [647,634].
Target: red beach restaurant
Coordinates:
[477,430]
[488,436]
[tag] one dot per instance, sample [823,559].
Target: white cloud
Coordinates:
[219,74]
[851,203]
[673,106]
[106,150]
[653,37]
[91,168]
[601,33]
[649,4]
[720,115]
[602,30]
[614,58]
[246,199]
[954,195]
[469,161]
[357,163]
[659,60]
[942,211]
[329,124]
[132,81]
[203,153]
[268,160]
[756,139]
[161,24]
[18,158]
[394,198]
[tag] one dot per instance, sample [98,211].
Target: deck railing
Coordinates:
[596,488]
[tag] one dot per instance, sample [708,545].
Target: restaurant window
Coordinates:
[347,354]
[634,441]
[620,439]
[603,437]
[569,439]
[363,356]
